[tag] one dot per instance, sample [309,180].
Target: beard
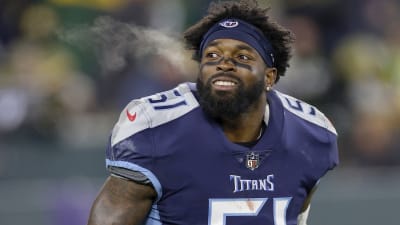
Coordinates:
[228,105]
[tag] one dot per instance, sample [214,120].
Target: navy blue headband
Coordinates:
[242,31]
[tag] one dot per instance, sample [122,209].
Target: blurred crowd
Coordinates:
[67,67]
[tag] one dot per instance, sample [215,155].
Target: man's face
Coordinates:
[232,78]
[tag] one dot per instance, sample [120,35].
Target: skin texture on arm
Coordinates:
[303,216]
[122,202]
[307,202]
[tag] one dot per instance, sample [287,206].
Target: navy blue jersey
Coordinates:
[203,178]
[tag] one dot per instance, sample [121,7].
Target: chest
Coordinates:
[212,177]
[201,157]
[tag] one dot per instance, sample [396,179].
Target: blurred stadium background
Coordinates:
[64,78]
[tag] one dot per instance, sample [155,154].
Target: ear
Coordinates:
[270,77]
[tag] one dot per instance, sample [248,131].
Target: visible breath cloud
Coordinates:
[115,42]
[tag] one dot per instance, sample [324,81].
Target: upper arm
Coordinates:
[122,201]
[305,210]
[307,202]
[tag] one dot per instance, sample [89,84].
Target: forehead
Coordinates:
[230,43]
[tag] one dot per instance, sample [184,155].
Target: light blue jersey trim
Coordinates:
[131,166]
[154,216]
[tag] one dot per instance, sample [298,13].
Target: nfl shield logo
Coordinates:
[252,161]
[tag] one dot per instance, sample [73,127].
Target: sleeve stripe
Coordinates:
[156,183]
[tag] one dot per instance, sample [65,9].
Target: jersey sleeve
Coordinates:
[333,158]
[136,176]
[306,112]
[310,134]
[131,150]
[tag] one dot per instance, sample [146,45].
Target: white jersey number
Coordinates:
[219,209]
[167,100]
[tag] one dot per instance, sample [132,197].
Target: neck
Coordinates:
[247,126]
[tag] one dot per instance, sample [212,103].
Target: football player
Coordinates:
[228,150]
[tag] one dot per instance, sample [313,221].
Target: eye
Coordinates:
[244,57]
[212,55]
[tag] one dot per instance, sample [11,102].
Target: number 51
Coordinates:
[219,209]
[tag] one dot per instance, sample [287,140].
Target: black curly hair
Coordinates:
[249,11]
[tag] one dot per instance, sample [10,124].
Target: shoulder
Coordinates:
[155,110]
[309,133]
[305,112]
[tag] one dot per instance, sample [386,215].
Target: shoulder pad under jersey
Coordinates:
[305,111]
[154,110]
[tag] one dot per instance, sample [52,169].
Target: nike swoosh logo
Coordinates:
[131,117]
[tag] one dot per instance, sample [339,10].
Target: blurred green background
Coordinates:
[68,67]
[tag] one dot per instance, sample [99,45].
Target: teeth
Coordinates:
[224,83]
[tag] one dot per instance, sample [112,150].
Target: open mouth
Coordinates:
[224,82]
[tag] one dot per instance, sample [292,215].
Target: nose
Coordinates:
[226,65]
